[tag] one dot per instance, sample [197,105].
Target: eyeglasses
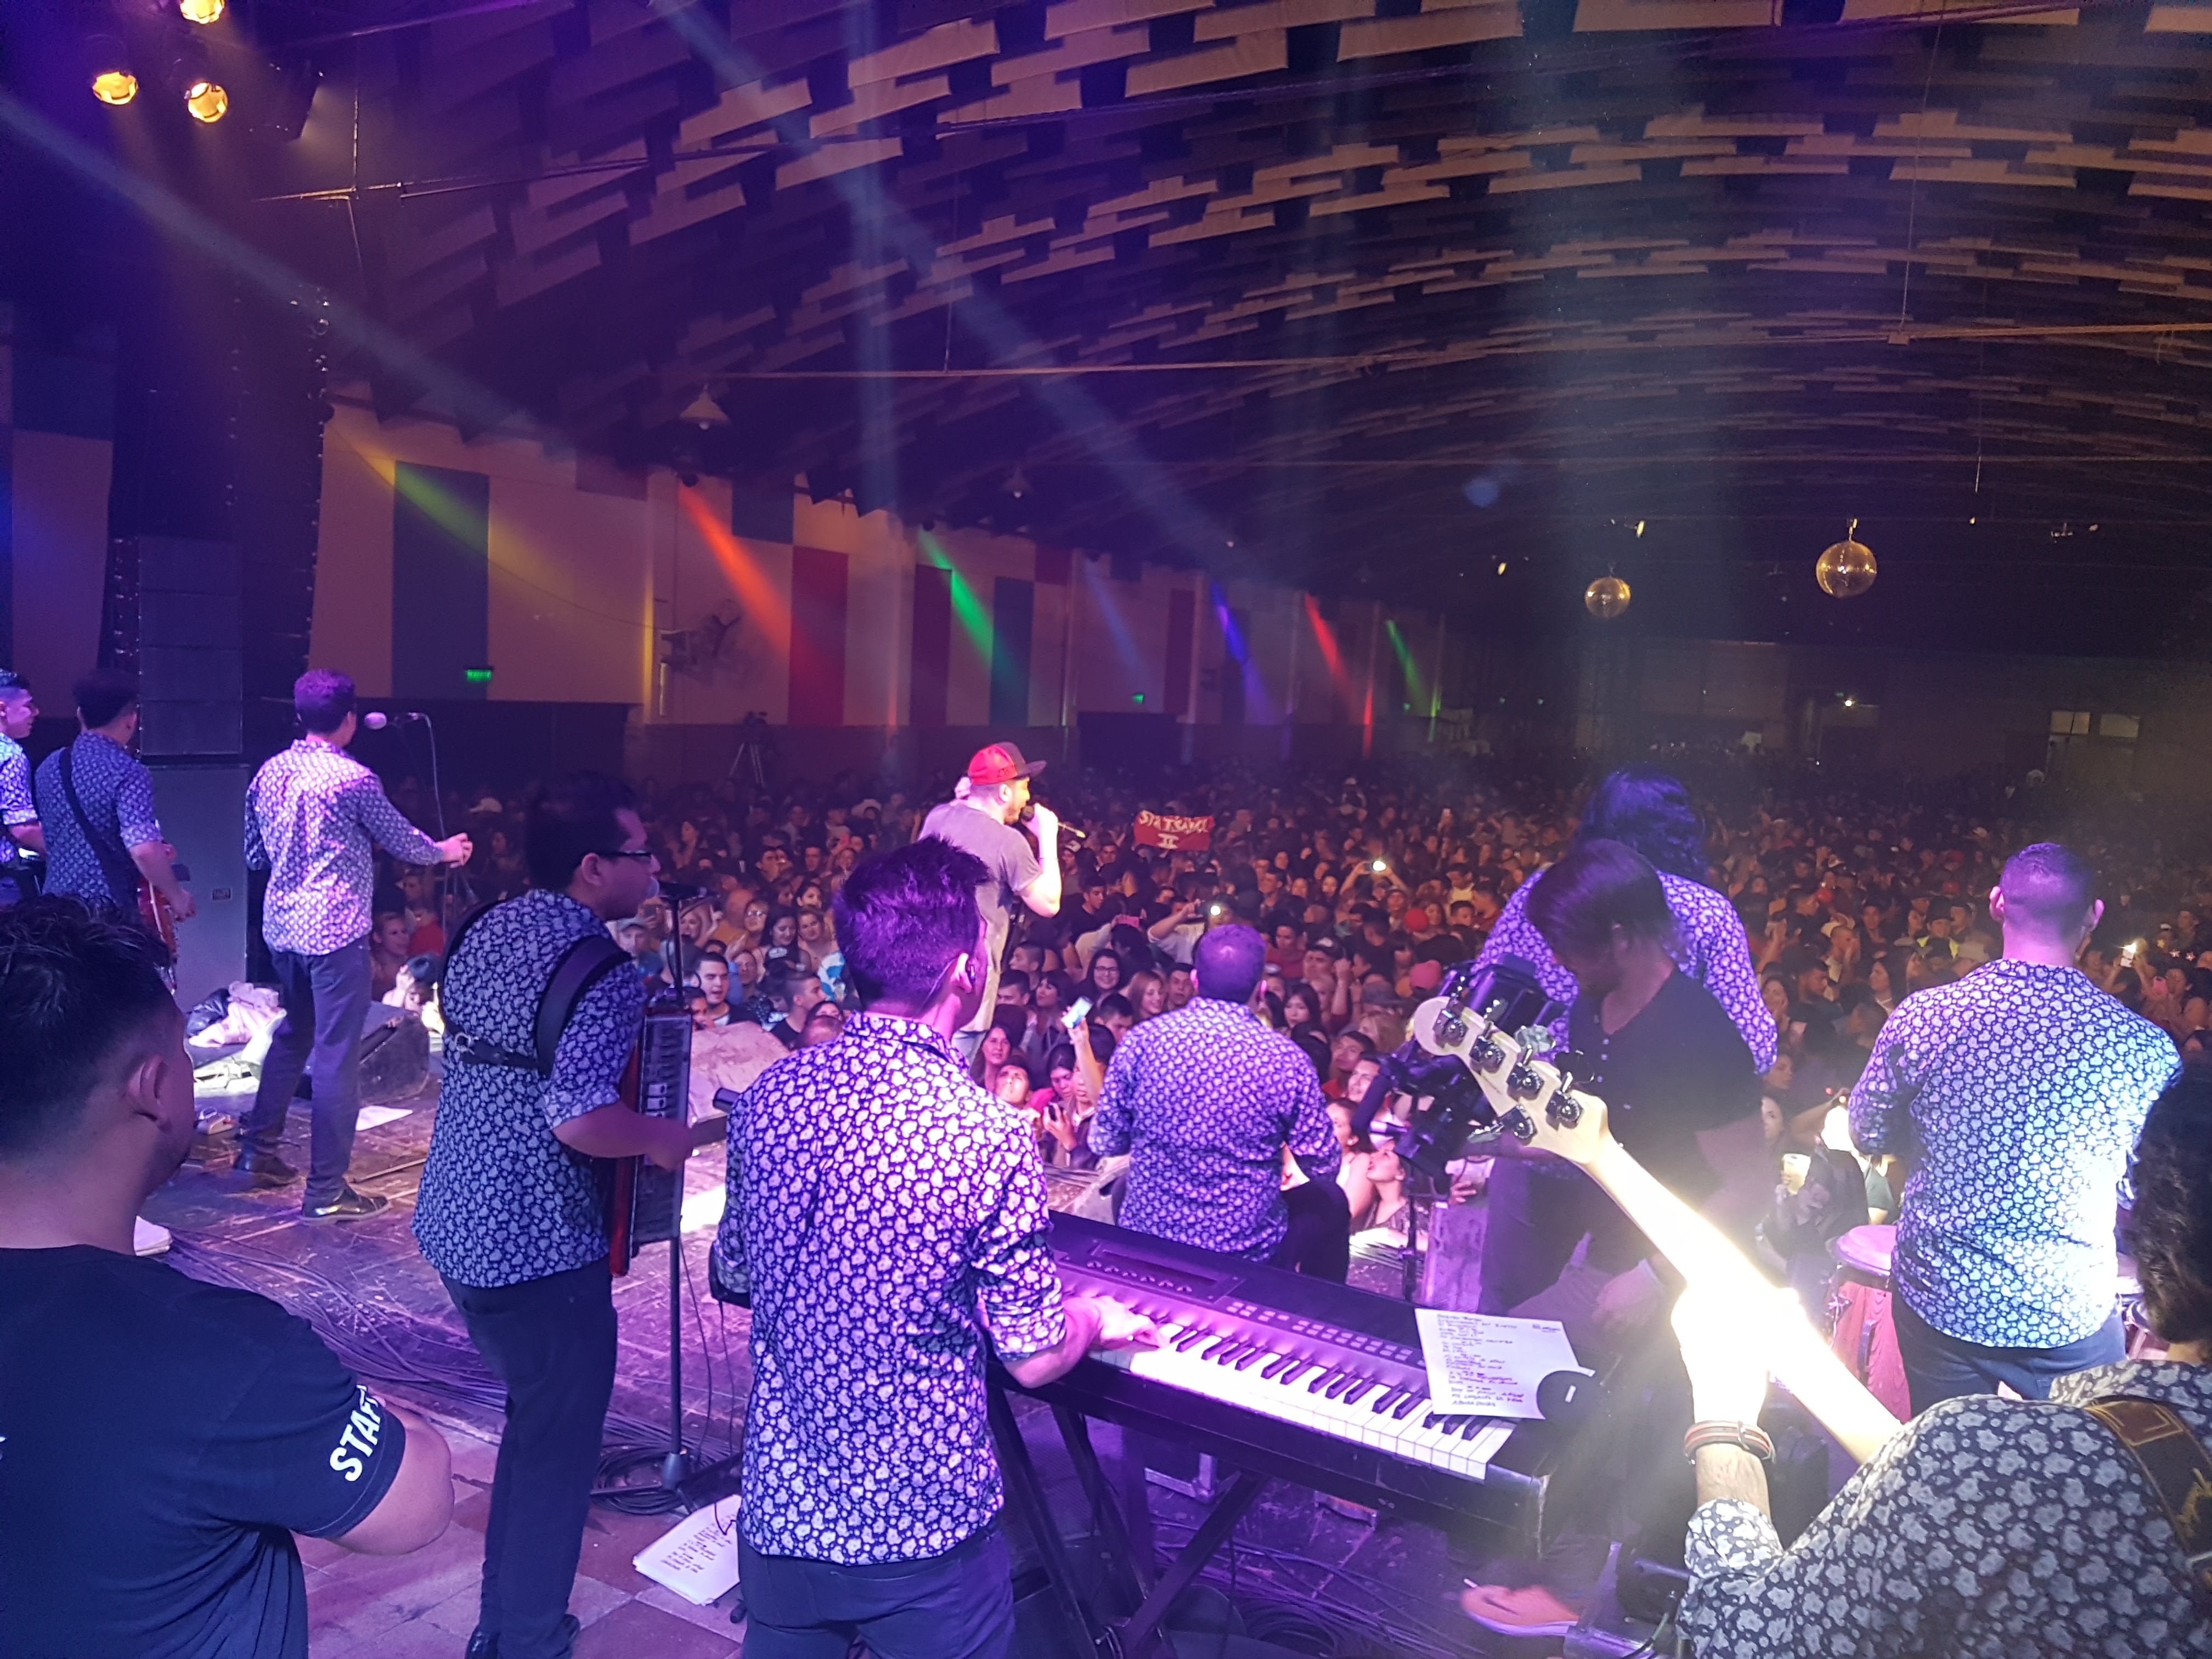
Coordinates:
[624,853]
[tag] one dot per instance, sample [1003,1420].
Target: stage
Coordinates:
[1311,1579]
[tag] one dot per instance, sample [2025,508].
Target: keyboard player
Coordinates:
[1206,1100]
[888,1219]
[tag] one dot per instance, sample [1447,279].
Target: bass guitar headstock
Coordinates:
[1534,1100]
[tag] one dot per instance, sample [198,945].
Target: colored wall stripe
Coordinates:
[932,644]
[818,636]
[1013,621]
[1182,627]
[441,581]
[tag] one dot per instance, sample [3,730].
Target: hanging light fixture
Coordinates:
[207,101]
[200,11]
[1846,569]
[107,64]
[1605,597]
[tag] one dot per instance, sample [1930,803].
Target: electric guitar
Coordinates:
[1539,1107]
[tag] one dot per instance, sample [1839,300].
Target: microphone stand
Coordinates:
[450,875]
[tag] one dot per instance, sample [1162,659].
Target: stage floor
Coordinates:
[369,1292]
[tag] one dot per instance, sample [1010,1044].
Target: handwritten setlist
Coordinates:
[1487,1365]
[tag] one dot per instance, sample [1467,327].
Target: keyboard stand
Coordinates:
[1133,1637]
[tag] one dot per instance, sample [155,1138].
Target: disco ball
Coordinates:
[1846,569]
[1605,597]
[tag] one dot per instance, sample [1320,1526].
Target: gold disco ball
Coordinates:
[1605,597]
[1846,569]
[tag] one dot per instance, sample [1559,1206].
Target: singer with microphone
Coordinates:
[313,816]
[980,820]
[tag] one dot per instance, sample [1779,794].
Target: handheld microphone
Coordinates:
[1068,831]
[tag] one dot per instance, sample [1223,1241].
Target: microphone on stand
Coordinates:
[377,722]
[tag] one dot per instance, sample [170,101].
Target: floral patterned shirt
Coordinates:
[1986,1528]
[2017,1094]
[17,806]
[889,1219]
[1204,1099]
[313,815]
[117,794]
[1708,946]
[503,1201]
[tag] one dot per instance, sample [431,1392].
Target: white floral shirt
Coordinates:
[1986,1528]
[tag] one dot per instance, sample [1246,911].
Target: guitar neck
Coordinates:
[1702,1254]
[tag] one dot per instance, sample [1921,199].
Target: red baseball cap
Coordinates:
[1001,762]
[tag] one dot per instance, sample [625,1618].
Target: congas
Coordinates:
[1864,1337]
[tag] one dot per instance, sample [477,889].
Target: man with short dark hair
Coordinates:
[19,813]
[509,1212]
[314,816]
[96,808]
[2017,1093]
[888,1220]
[1206,1100]
[164,1437]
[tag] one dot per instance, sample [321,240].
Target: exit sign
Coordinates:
[476,676]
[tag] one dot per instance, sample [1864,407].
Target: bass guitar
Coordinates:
[1539,1107]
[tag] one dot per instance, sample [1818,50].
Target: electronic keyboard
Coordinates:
[1293,1378]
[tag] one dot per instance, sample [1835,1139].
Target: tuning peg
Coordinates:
[1451,1028]
[1522,1083]
[1565,1110]
[1487,1055]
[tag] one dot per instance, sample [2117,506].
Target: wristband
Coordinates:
[1745,1437]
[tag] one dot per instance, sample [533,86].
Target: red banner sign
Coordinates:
[1175,834]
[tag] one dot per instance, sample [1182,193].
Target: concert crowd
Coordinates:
[1367,886]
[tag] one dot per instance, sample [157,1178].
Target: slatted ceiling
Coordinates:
[2182,19]
[1487,19]
[1163,232]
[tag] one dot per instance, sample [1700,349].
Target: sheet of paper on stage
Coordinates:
[373,1117]
[1487,1365]
[697,1558]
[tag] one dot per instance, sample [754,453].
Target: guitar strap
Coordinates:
[582,966]
[2179,1470]
[114,861]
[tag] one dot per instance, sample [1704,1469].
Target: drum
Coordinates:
[1864,1337]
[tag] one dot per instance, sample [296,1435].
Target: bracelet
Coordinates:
[1745,1436]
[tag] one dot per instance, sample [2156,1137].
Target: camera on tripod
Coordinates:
[1504,994]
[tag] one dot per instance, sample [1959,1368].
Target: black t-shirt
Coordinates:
[163,1439]
[1677,1069]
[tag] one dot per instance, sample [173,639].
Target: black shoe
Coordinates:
[265,1170]
[484,1646]
[348,1205]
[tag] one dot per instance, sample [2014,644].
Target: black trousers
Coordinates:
[959,1605]
[1540,1213]
[551,1341]
[1938,1367]
[1319,1243]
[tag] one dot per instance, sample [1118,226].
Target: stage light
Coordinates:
[107,64]
[207,101]
[1846,568]
[199,11]
[1605,597]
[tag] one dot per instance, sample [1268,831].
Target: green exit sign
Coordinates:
[476,676]
[1139,697]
